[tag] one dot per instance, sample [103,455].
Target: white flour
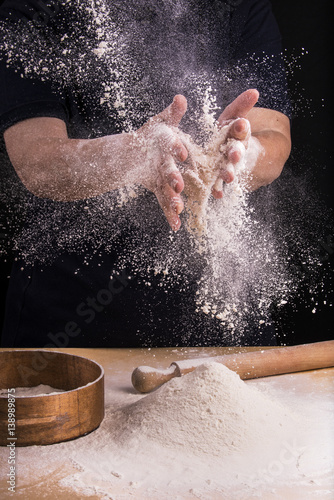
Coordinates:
[206,435]
[210,412]
[37,390]
[203,174]
[248,245]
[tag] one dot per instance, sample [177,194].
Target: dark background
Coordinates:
[306,26]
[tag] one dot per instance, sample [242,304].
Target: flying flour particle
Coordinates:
[243,246]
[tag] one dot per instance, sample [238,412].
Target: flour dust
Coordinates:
[107,54]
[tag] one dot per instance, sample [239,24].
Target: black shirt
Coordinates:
[99,272]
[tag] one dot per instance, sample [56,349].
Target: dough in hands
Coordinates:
[201,173]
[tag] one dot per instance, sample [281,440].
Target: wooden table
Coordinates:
[33,482]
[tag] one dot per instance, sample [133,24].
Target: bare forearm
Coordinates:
[53,166]
[272,151]
[68,169]
[271,133]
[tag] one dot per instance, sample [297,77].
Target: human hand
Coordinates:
[158,147]
[236,137]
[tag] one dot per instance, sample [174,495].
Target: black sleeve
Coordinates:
[29,10]
[259,31]
[257,54]
[23,98]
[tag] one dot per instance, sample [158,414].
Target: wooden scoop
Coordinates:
[247,365]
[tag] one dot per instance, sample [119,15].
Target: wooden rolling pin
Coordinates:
[262,363]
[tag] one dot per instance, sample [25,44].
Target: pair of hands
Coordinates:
[165,148]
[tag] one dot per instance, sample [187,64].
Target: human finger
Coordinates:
[239,129]
[171,204]
[240,107]
[217,189]
[172,150]
[235,152]
[226,175]
[170,174]
[170,143]
[174,113]
[178,150]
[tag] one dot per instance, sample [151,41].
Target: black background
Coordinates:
[306,26]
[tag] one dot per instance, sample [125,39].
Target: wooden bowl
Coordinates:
[49,418]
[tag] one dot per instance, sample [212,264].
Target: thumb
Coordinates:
[240,107]
[173,114]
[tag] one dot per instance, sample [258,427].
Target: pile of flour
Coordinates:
[211,411]
[199,435]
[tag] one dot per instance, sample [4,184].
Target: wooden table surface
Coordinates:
[32,483]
